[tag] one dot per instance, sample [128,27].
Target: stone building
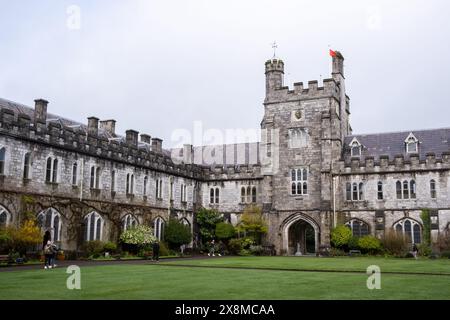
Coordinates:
[308,173]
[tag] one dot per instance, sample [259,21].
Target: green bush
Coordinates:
[177,234]
[353,243]
[207,219]
[224,231]
[234,246]
[369,244]
[163,249]
[93,249]
[110,247]
[340,236]
[256,250]
[244,252]
[424,249]
[395,244]
[334,252]
[445,254]
[247,242]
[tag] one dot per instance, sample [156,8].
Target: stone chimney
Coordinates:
[157,145]
[146,138]
[109,126]
[40,110]
[131,137]
[187,153]
[93,126]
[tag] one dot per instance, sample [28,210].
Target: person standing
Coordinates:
[48,253]
[415,251]
[212,248]
[155,248]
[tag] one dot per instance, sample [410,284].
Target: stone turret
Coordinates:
[274,75]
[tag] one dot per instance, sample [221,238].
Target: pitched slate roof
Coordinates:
[391,144]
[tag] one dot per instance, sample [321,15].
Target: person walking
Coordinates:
[54,250]
[415,250]
[155,248]
[48,253]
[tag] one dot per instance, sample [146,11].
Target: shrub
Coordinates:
[334,252]
[163,250]
[224,231]
[206,221]
[15,239]
[244,252]
[141,235]
[256,250]
[247,242]
[93,248]
[445,254]
[443,242]
[253,223]
[424,249]
[340,236]
[369,244]
[110,247]
[395,244]
[234,246]
[177,234]
[353,243]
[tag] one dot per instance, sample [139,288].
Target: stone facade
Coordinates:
[308,172]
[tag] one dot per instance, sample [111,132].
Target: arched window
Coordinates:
[411,143]
[97,178]
[355,191]
[5,217]
[159,189]
[185,222]
[398,187]
[211,195]
[405,189]
[433,189]
[348,191]
[145,186]
[27,166]
[2,160]
[361,191]
[183,193]
[411,229]
[55,171]
[94,226]
[243,197]
[50,220]
[132,184]
[412,189]
[217,195]
[159,228]
[129,222]
[254,194]
[249,194]
[48,172]
[92,181]
[355,148]
[380,190]
[75,174]
[359,228]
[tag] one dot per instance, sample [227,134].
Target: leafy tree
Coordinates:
[177,233]
[341,236]
[253,223]
[15,239]
[224,231]
[206,221]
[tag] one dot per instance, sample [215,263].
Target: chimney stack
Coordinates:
[93,126]
[109,126]
[40,110]
[146,138]
[157,145]
[131,137]
[187,153]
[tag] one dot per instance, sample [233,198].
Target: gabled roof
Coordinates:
[391,144]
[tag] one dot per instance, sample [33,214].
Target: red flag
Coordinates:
[332,53]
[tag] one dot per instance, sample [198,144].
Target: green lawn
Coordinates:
[155,281]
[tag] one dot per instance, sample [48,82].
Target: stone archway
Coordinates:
[300,231]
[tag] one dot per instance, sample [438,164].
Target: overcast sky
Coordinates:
[156,66]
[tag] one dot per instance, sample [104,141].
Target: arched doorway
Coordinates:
[300,235]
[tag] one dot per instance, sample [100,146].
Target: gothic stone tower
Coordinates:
[302,139]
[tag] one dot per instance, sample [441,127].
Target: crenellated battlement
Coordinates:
[76,139]
[233,172]
[302,92]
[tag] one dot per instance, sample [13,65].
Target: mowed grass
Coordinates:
[358,264]
[155,281]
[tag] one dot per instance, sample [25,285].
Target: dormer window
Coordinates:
[355,148]
[412,144]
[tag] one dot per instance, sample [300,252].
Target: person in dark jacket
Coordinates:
[156,250]
[48,255]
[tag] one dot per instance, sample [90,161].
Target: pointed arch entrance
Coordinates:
[300,235]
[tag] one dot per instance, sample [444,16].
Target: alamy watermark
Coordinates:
[73,21]
[74,280]
[374,279]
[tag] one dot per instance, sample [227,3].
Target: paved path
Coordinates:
[86,263]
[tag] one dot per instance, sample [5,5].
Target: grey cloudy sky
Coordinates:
[156,66]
